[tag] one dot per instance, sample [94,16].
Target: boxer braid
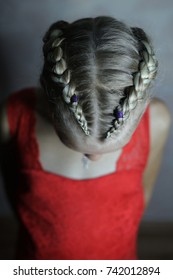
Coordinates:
[141,81]
[61,74]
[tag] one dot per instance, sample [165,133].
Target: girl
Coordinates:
[84,149]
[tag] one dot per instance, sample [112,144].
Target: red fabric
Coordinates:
[65,218]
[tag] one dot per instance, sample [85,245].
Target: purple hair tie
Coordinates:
[120,114]
[74,99]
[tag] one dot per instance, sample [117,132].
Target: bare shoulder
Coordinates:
[160,115]
[4,126]
[160,121]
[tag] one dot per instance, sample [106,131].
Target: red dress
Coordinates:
[64,218]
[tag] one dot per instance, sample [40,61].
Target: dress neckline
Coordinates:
[40,168]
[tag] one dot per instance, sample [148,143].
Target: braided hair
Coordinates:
[95,73]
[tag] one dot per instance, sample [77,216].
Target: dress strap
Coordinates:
[21,119]
[136,152]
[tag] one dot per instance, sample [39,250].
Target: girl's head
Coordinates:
[96,74]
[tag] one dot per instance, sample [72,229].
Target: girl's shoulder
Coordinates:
[17,100]
[4,125]
[160,118]
[160,122]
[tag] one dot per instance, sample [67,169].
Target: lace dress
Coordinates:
[64,218]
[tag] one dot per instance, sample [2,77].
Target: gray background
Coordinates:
[22,26]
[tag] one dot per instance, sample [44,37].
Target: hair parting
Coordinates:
[96,70]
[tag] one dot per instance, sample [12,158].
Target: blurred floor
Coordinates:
[8,234]
[155,241]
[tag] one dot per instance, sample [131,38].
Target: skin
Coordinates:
[160,122]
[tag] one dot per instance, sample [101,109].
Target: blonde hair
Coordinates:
[95,68]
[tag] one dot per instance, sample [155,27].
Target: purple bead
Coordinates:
[74,98]
[120,114]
